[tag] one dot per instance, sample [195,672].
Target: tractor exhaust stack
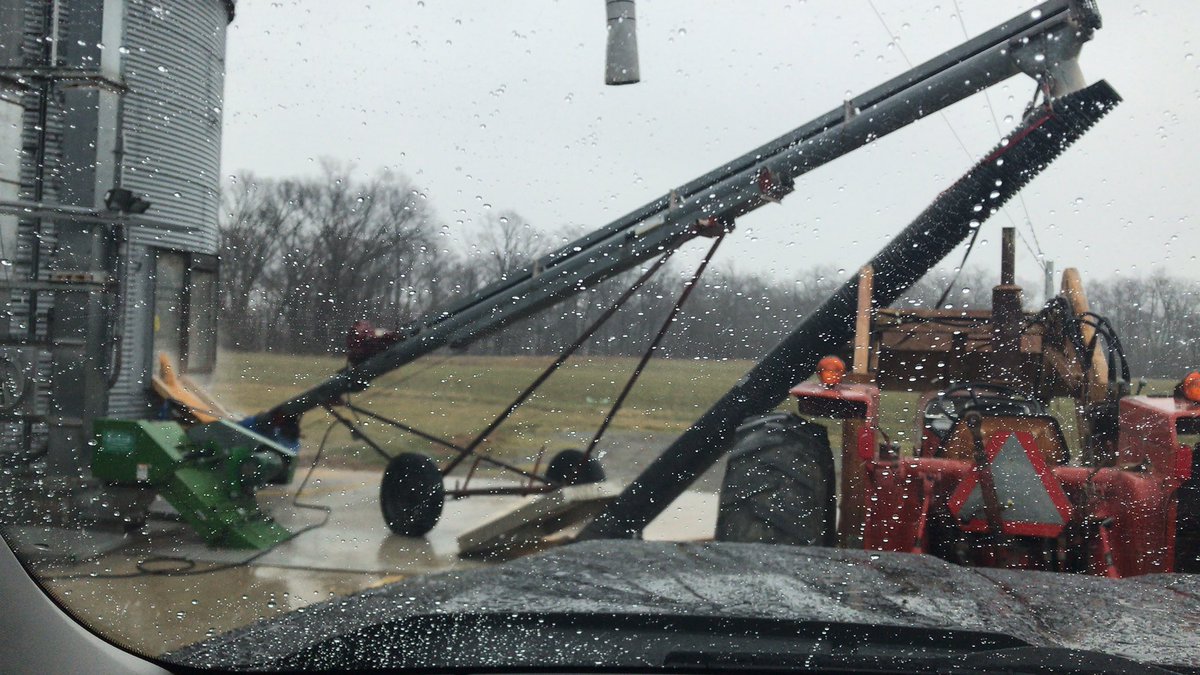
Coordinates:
[1008,318]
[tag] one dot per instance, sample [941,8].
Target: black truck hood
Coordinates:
[1150,619]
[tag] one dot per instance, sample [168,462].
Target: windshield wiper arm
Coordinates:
[1050,660]
[1026,659]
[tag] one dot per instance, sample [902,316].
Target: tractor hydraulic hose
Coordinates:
[912,253]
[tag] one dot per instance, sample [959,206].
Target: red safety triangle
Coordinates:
[1032,500]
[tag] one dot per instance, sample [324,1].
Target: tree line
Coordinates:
[303,258]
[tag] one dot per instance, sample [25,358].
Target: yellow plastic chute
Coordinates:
[185,394]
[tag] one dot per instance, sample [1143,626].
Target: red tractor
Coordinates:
[990,479]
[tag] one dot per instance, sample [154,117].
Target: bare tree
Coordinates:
[507,243]
[1156,318]
[255,220]
[350,249]
[302,259]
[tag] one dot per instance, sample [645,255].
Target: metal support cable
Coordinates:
[653,346]
[359,410]
[358,433]
[566,353]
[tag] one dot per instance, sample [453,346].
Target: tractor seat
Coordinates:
[1046,433]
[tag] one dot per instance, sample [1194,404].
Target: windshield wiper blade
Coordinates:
[1050,660]
[681,642]
[1025,659]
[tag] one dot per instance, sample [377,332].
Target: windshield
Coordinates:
[324,321]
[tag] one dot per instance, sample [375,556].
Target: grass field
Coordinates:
[455,397]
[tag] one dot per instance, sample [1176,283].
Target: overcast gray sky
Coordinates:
[501,105]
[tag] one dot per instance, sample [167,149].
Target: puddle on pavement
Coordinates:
[354,551]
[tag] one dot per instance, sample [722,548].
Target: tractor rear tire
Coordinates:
[1187,520]
[572,467]
[779,484]
[411,495]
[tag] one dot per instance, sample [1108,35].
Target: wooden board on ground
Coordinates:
[540,522]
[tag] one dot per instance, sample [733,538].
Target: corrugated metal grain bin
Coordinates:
[165,148]
[174,66]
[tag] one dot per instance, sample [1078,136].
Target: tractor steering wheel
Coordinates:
[952,412]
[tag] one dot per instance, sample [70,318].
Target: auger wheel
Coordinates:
[411,494]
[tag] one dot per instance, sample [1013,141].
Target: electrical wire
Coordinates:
[958,270]
[1038,256]
[896,41]
[148,567]
[974,235]
[951,321]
